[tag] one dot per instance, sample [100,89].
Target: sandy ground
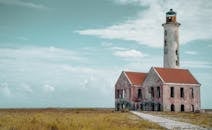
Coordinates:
[167,123]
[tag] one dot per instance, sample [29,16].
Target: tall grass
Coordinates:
[71,119]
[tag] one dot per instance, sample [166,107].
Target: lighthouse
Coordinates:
[171,41]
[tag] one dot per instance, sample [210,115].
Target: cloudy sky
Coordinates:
[69,53]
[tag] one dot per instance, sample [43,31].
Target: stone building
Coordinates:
[161,89]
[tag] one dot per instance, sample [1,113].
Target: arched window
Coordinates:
[172,107]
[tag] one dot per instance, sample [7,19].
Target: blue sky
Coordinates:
[69,53]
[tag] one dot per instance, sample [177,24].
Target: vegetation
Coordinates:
[201,119]
[71,119]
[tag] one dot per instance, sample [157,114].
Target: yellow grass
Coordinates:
[201,119]
[71,119]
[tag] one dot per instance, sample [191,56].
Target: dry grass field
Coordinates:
[201,119]
[71,119]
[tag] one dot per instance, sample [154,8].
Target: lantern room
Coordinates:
[170,16]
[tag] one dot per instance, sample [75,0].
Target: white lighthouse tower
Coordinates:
[171,41]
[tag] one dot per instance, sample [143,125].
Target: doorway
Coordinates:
[182,108]
[172,107]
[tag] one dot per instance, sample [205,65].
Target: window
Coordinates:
[165,33]
[176,52]
[152,92]
[153,106]
[192,93]
[172,107]
[182,108]
[165,43]
[159,107]
[117,106]
[117,93]
[158,92]
[139,93]
[121,93]
[177,62]
[122,106]
[181,92]
[124,93]
[192,108]
[141,106]
[169,19]
[172,92]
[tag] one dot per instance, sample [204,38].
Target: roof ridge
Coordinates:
[158,75]
[136,72]
[127,77]
[193,76]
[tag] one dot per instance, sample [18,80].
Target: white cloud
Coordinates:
[118,48]
[191,52]
[84,84]
[23,4]
[76,69]
[26,88]
[49,88]
[36,71]
[129,54]
[195,18]
[106,44]
[144,64]
[40,53]
[4,89]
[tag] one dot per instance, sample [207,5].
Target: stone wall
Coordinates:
[152,81]
[122,92]
[187,100]
[129,99]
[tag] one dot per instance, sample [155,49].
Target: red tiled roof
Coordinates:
[170,75]
[136,78]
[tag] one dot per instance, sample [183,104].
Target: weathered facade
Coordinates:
[128,90]
[161,89]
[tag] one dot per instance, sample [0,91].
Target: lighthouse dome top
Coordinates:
[171,17]
[170,12]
